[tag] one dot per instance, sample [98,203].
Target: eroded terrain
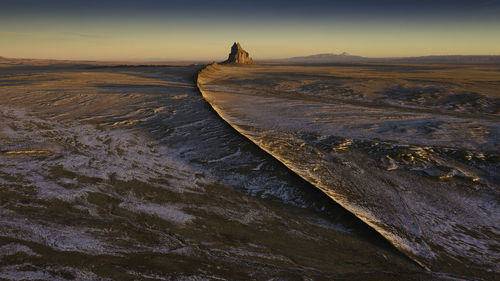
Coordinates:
[412,150]
[126,173]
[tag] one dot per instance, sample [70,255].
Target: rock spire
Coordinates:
[238,55]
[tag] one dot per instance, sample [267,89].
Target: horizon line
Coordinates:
[221,59]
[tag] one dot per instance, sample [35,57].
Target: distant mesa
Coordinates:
[238,55]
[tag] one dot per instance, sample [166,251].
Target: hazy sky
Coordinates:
[197,29]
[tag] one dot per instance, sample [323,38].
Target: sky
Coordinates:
[205,30]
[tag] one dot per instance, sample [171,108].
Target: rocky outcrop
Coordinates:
[238,55]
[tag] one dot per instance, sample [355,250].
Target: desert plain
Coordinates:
[125,171]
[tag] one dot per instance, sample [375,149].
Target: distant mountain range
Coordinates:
[321,58]
[347,58]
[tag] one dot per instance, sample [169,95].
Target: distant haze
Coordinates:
[205,30]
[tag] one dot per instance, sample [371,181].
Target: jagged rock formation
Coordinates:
[238,55]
